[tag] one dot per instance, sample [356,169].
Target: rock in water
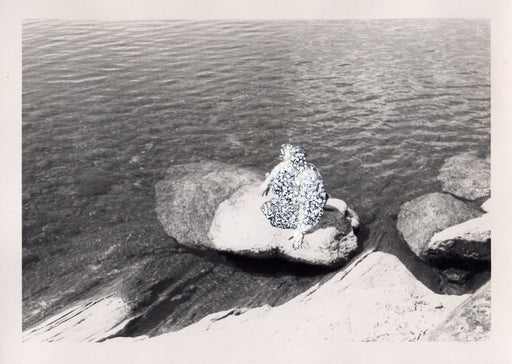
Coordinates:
[470,321]
[187,198]
[466,176]
[470,240]
[455,275]
[426,215]
[240,227]
[215,205]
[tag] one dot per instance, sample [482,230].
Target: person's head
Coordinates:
[298,156]
[286,152]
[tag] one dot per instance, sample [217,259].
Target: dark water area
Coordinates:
[109,106]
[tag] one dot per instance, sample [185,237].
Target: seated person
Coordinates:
[300,194]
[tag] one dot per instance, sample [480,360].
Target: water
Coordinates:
[108,106]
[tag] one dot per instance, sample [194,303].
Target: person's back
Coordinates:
[311,193]
[300,191]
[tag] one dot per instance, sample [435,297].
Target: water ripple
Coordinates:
[375,103]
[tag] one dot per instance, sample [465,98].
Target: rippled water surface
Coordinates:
[108,106]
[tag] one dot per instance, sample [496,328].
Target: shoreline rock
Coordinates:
[375,298]
[470,240]
[469,321]
[429,214]
[217,206]
[240,227]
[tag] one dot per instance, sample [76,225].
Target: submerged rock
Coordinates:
[426,215]
[28,258]
[186,200]
[470,240]
[470,321]
[467,176]
[240,227]
[455,275]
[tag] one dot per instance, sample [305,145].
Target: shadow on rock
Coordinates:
[275,266]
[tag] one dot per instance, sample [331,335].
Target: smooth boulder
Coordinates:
[466,175]
[426,215]
[189,195]
[240,227]
[470,240]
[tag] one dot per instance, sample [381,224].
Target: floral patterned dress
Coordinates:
[300,198]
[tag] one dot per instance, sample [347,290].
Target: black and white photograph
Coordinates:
[222,182]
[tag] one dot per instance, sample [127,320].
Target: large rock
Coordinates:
[186,200]
[90,321]
[470,240]
[470,321]
[375,298]
[215,205]
[240,227]
[426,215]
[465,175]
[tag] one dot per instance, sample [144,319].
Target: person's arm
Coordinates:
[320,178]
[265,186]
[313,167]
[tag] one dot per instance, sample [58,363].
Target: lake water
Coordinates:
[108,106]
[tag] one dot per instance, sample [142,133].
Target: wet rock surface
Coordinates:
[373,299]
[466,175]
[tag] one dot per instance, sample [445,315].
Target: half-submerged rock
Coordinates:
[215,205]
[189,195]
[470,240]
[466,175]
[427,215]
[240,227]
